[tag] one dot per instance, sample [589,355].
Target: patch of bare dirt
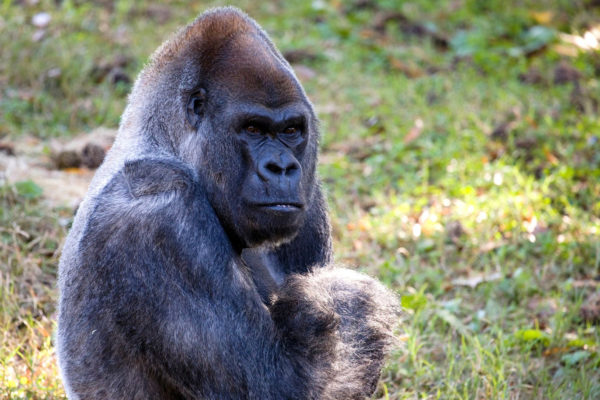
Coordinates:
[35,159]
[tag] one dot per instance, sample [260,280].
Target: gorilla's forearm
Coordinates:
[367,313]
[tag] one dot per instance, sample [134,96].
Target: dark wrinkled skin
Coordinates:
[196,267]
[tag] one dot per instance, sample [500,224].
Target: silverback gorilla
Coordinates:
[197,265]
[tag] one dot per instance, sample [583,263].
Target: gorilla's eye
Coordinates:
[253,130]
[290,130]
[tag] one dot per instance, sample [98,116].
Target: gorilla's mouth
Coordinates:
[281,207]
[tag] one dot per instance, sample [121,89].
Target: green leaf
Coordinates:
[28,189]
[464,43]
[537,37]
[414,301]
[581,343]
[451,320]
[533,335]
[575,358]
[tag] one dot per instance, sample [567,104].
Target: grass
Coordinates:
[442,167]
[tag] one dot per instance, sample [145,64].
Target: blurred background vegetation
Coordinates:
[460,155]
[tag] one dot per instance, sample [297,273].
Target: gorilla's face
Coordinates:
[257,163]
[272,141]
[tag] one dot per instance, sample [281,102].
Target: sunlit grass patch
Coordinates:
[29,241]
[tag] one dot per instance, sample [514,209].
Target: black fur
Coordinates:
[196,266]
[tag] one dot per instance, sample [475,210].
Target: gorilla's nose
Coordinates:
[276,166]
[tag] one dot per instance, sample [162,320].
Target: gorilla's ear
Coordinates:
[195,107]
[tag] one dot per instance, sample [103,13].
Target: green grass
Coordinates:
[424,189]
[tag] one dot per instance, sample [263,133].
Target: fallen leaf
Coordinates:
[414,132]
[368,34]
[542,17]
[565,50]
[295,56]
[75,170]
[552,351]
[589,41]
[410,70]
[303,72]
[473,281]
[581,283]
[550,157]
[489,246]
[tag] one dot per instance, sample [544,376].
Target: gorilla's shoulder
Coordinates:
[146,198]
[147,184]
[149,177]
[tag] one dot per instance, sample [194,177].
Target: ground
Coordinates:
[460,155]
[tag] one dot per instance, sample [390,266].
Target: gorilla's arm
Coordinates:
[186,310]
[368,312]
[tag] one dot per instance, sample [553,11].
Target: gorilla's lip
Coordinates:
[281,206]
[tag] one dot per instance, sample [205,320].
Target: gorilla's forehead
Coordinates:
[249,70]
[239,112]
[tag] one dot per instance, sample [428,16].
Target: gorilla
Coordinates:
[198,265]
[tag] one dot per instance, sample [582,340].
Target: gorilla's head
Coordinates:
[246,125]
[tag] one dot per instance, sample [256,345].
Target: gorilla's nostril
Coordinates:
[274,168]
[292,168]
